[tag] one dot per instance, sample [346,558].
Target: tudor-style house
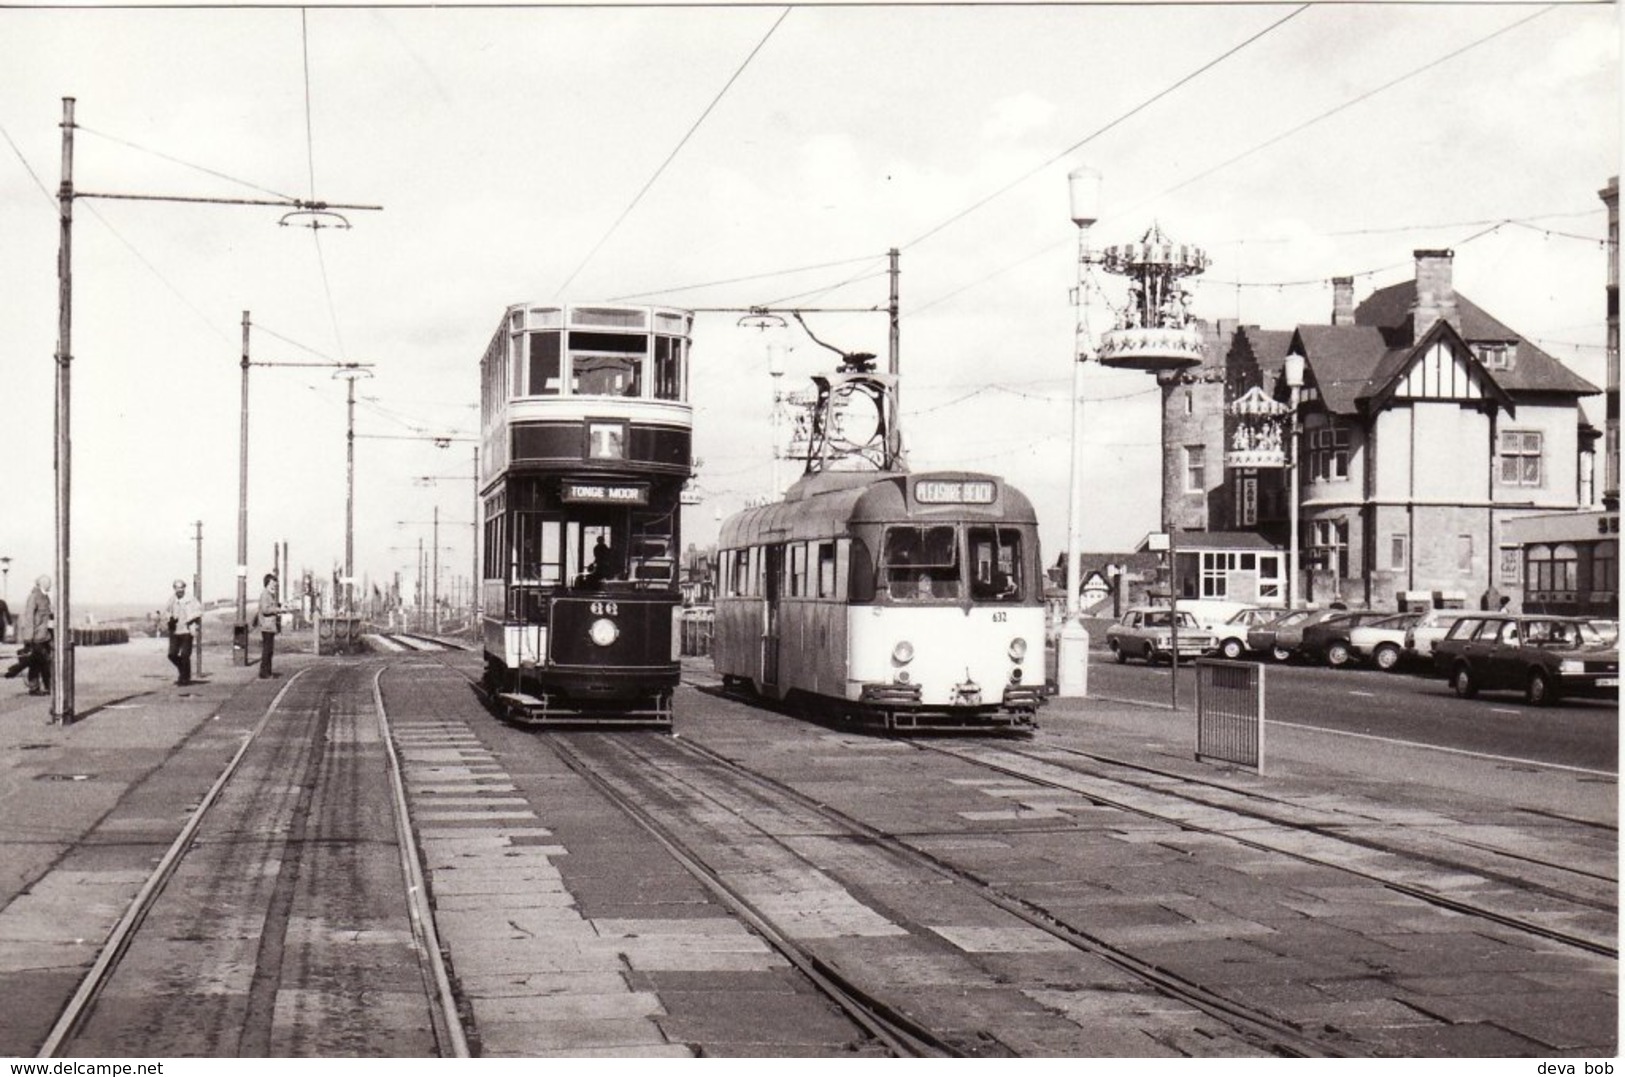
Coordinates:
[1423,425]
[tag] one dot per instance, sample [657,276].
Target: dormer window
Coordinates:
[1497,355]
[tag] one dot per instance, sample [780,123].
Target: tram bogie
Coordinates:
[908,602]
[588,432]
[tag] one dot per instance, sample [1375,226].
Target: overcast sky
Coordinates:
[706,158]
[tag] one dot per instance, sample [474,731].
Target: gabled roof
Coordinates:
[1342,359]
[1397,363]
[1214,540]
[1535,371]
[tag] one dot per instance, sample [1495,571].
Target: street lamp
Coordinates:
[1072,650]
[1294,380]
[5,579]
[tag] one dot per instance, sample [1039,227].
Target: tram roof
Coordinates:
[825,504]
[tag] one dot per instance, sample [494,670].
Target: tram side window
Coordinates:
[739,573]
[544,364]
[798,570]
[995,557]
[826,570]
[921,563]
[860,573]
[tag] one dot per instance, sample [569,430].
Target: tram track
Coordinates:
[1336,836]
[676,761]
[225,948]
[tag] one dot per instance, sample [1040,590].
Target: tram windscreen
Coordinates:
[921,563]
[995,560]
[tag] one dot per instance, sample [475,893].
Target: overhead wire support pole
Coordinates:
[62,666]
[62,679]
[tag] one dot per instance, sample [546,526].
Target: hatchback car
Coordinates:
[1328,641]
[1431,627]
[1382,642]
[1545,658]
[1281,637]
[1148,632]
[1231,636]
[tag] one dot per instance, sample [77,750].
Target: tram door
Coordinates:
[771,573]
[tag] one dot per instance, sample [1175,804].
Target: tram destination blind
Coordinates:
[605,492]
[955,492]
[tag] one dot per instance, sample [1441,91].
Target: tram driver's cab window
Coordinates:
[920,563]
[995,559]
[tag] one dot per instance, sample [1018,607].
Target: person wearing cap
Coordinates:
[270,621]
[183,615]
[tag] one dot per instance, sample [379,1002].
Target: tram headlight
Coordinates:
[1018,649]
[604,632]
[903,653]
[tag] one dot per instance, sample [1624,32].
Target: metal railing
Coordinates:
[1230,712]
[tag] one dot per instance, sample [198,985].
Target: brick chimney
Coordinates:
[1435,292]
[1342,300]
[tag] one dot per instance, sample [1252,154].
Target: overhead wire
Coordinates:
[695,126]
[1124,117]
[1298,129]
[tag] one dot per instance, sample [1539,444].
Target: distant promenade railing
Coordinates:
[1230,712]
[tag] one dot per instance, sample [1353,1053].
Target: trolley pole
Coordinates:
[434,575]
[62,679]
[197,593]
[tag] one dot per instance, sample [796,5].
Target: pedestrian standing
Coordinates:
[182,616]
[269,619]
[5,620]
[34,632]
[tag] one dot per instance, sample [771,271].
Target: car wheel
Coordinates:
[1462,681]
[1387,657]
[1337,655]
[1117,651]
[1280,654]
[1539,692]
[1232,649]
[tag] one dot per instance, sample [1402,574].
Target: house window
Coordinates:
[1329,453]
[1496,356]
[1216,568]
[1464,553]
[1190,404]
[1269,576]
[1553,568]
[1396,552]
[1331,545]
[1195,469]
[1520,457]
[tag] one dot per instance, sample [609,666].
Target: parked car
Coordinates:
[1433,626]
[1231,637]
[1282,636]
[1147,632]
[1382,642]
[1328,641]
[1546,658]
[1211,612]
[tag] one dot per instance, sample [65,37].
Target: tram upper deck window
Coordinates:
[995,557]
[607,364]
[543,368]
[921,563]
[668,372]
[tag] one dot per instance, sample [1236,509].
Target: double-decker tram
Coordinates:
[586,430]
[904,600]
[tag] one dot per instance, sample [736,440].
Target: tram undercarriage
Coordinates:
[1017,713]
[584,701]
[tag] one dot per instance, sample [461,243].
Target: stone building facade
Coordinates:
[1424,423]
